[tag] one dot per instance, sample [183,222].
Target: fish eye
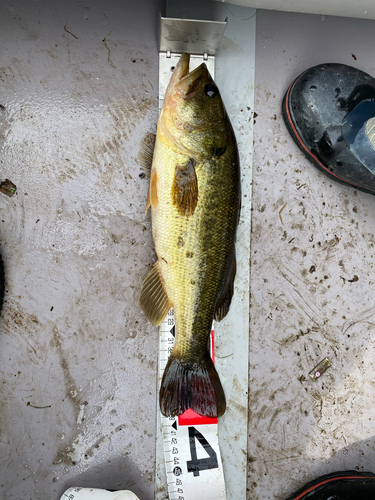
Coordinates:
[211,90]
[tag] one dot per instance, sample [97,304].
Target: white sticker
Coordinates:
[77,493]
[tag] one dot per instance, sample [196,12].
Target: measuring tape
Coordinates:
[191,444]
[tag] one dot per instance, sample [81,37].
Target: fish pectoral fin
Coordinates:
[154,299]
[225,297]
[185,188]
[146,153]
[152,198]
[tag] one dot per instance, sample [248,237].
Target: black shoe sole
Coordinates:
[338,477]
[312,156]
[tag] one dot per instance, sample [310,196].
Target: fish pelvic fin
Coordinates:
[185,188]
[152,198]
[154,300]
[191,384]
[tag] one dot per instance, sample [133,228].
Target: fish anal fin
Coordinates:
[152,198]
[185,188]
[191,384]
[225,297]
[146,153]
[154,299]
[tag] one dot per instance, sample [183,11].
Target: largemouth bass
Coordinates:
[194,194]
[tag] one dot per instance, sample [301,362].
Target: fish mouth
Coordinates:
[188,84]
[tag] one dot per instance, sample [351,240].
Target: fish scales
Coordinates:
[195,201]
[194,251]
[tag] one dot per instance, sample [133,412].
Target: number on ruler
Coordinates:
[197,464]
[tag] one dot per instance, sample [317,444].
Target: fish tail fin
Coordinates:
[191,384]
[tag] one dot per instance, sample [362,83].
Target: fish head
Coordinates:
[193,119]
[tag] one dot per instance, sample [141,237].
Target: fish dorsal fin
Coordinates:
[152,198]
[146,153]
[154,299]
[185,188]
[225,298]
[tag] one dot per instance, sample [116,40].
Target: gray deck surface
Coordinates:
[303,305]
[77,357]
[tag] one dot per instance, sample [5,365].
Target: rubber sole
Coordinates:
[319,483]
[311,156]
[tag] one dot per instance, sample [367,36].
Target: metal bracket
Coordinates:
[200,39]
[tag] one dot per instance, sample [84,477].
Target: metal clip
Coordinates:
[200,39]
[320,368]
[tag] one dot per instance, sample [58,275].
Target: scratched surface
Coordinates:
[78,359]
[77,356]
[312,277]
